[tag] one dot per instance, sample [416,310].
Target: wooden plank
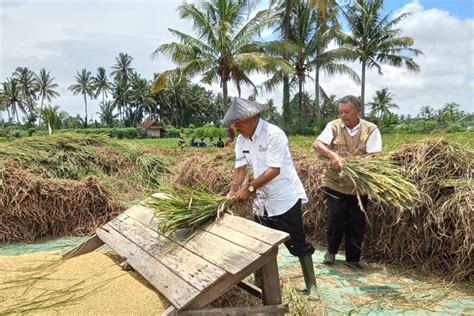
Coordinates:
[175,289]
[255,230]
[238,238]
[226,255]
[225,284]
[271,283]
[247,310]
[170,311]
[143,214]
[252,289]
[190,267]
[89,245]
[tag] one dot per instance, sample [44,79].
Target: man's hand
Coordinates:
[242,194]
[336,162]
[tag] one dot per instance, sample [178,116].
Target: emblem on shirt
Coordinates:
[261,148]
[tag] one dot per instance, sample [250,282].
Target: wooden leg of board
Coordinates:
[271,284]
[89,245]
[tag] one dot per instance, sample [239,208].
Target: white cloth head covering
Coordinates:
[240,109]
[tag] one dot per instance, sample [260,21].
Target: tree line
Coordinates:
[227,47]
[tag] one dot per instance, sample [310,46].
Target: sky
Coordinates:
[65,36]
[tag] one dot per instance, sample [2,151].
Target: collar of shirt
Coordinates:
[351,131]
[258,129]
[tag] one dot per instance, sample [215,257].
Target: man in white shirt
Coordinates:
[347,136]
[277,189]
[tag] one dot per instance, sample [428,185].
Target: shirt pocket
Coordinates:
[262,157]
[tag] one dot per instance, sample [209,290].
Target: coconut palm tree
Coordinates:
[427,112]
[305,51]
[374,40]
[45,87]
[83,86]
[176,94]
[297,50]
[141,98]
[12,94]
[106,113]
[225,48]
[26,79]
[122,72]
[284,10]
[4,102]
[101,83]
[382,103]
[327,60]
[52,116]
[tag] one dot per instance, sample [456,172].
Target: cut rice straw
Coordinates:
[185,207]
[381,180]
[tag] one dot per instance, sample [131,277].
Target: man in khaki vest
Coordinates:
[347,136]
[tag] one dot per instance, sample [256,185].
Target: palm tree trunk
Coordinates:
[85,103]
[362,92]
[300,99]
[286,80]
[316,93]
[224,93]
[8,112]
[41,110]
[16,112]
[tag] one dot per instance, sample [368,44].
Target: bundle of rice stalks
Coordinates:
[429,163]
[310,168]
[146,166]
[215,172]
[381,180]
[32,207]
[185,207]
[75,156]
[438,234]
[68,156]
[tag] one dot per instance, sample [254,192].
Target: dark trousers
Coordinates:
[345,219]
[290,222]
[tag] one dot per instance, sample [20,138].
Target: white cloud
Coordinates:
[447,66]
[66,36]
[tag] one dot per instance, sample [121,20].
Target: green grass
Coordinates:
[392,141]
[160,142]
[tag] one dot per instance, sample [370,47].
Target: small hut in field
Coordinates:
[152,128]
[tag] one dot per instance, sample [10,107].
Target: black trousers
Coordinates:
[290,222]
[345,219]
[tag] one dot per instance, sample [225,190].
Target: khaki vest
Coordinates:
[346,145]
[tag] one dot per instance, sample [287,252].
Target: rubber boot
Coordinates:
[309,278]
